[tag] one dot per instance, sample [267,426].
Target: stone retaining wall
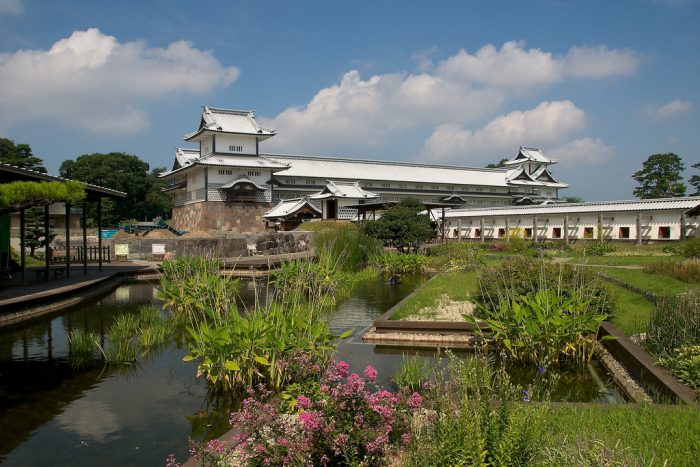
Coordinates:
[217,215]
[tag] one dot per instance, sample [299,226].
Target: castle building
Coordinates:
[228,184]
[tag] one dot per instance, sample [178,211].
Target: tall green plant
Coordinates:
[674,323]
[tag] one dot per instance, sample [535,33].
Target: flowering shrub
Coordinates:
[344,420]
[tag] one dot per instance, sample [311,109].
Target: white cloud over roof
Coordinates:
[548,123]
[100,84]
[461,90]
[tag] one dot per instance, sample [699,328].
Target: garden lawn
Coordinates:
[665,432]
[633,311]
[459,286]
[623,260]
[654,283]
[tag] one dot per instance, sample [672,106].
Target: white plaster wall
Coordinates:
[577,223]
[223,142]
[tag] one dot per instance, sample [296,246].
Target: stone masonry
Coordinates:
[226,217]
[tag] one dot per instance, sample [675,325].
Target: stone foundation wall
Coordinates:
[226,217]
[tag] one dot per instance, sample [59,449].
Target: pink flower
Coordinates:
[310,420]
[304,402]
[406,438]
[415,401]
[342,368]
[370,373]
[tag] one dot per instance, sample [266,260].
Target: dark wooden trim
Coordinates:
[643,367]
[47,258]
[67,240]
[206,183]
[22,246]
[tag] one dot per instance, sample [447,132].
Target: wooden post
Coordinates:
[481,229]
[534,229]
[22,246]
[67,240]
[459,229]
[47,258]
[99,233]
[443,225]
[507,229]
[683,226]
[566,228]
[84,237]
[639,228]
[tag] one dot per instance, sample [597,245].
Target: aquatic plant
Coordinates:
[414,373]
[191,285]
[344,250]
[398,263]
[81,346]
[539,313]
[684,363]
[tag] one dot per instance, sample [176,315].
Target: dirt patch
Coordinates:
[159,233]
[445,310]
[122,234]
[197,234]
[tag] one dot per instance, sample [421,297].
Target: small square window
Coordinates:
[588,232]
[624,232]
[665,232]
[556,232]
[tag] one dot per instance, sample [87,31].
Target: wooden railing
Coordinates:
[58,255]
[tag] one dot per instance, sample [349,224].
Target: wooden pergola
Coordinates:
[93,194]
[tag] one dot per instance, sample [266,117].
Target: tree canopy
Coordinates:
[19,195]
[19,155]
[497,165]
[123,172]
[695,181]
[660,177]
[573,199]
[401,226]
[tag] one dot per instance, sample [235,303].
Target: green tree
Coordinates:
[695,180]
[123,172]
[497,165]
[660,177]
[19,155]
[401,226]
[34,234]
[573,199]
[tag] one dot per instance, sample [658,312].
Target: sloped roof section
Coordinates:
[290,207]
[241,182]
[185,157]
[347,190]
[229,121]
[658,204]
[362,169]
[530,155]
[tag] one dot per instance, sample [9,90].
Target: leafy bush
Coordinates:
[401,226]
[686,271]
[344,250]
[598,248]
[459,257]
[674,323]
[559,246]
[690,248]
[397,263]
[346,420]
[456,248]
[684,363]
[542,313]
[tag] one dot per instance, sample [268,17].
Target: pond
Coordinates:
[51,413]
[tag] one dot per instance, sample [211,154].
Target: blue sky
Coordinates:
[598,85]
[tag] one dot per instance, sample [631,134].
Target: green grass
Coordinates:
[666,432]
[633,310]
[458,286]
[654,283]
[623,260]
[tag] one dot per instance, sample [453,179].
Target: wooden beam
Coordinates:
[47,258]
[67,240]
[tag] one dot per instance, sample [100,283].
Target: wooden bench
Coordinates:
[56,269]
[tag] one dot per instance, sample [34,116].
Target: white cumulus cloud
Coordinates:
[675,108]
[548,123]
[98,83]
[359,113]
[583,151]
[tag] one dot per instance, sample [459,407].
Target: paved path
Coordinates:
[13,292]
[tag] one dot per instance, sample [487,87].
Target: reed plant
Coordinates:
[81,347]
[674,323]
[541,313]
[344,250]
[399,263]
[414,373]
[686,271]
